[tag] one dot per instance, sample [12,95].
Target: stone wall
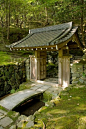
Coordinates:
[78,71]
[12,75]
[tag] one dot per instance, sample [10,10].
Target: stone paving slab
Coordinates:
[5,121]
[47,83]
[15,99]
[29,124]
[44,88]
[34,88]
[1,127]
[2,114]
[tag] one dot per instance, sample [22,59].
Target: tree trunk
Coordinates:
[8,27]
[46,20]
[7,4]
[82,20]
[2,35]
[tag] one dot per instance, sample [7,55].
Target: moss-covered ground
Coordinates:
[68,113]
[13,57]
[4,58]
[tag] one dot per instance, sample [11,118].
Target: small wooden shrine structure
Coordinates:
[59,38]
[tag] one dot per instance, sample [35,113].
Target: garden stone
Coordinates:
[1,115]
[15,114]
[20,124]
[85,71]
[54,95]
[81,80]
[75,75]
[64,93]
[85,82]
[50,90]
[1,127]
[73,78]
[29,124]
[36,113]
[13,127]
[31,117]
[81,86]
[5,121]
[85,65]
[49,104]
[22,118]
[74,82]
[3,112]
[84,78]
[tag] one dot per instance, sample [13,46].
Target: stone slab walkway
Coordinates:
[11,101]
[15,99]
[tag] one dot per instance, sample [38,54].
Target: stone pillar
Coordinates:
[28,69]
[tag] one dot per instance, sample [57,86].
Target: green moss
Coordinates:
[68,112]
[12,91]
[4,58]
[2,108]
[23,86]
[13,115]
[47,96]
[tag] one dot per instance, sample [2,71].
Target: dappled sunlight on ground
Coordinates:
[82,122]
[69,113]
[58,111]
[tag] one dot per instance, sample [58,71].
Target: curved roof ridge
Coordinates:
[18,42]
[53,27]
[73,30]
[46,36]
[67,30]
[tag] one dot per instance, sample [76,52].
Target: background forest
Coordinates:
[18,16]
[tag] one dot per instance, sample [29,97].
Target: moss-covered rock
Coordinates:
[11,76]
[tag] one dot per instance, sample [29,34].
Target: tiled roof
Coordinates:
[46,36]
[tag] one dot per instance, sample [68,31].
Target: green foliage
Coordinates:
[17,34]
[24,15]
[12,91]
[52,70]
[47,96]
[21,87]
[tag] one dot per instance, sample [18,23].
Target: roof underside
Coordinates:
[47,36]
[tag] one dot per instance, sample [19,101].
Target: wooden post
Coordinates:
[32,68]
[60,76]
[66,71]
[37,58]
[43,65]
[27,69]
[64,67]
[40,57]
[38,66]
